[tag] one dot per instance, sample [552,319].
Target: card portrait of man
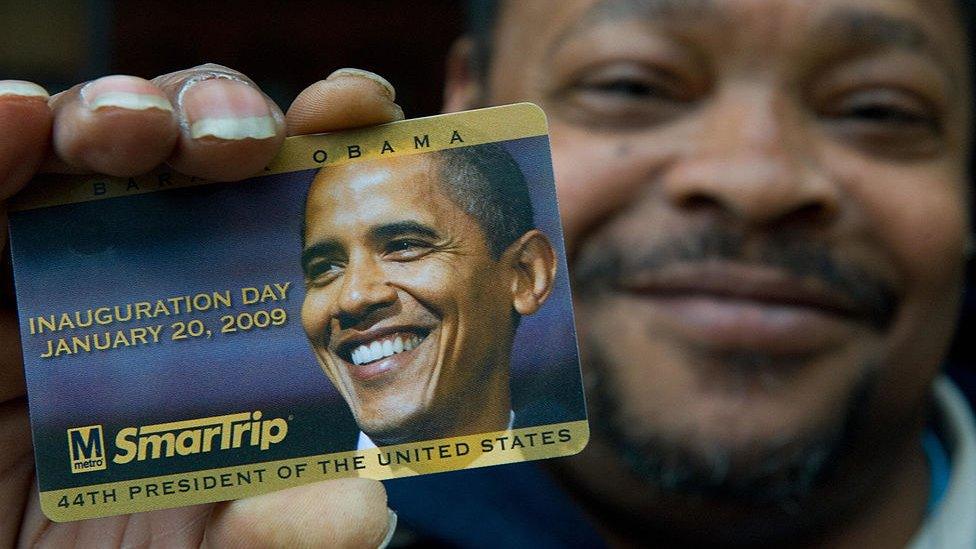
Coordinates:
[418,271]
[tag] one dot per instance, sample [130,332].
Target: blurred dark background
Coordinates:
[282,46]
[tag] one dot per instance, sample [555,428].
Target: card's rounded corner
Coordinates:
[55,513]
[585,440]
[531,109]
[581,438]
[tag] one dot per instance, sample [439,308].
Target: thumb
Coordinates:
[348,512]
[348,98]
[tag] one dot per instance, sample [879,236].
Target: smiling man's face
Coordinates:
[406,308]
[765,202]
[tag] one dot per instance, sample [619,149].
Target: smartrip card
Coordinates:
[379,303]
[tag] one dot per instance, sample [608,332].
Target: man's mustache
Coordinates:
[873,297]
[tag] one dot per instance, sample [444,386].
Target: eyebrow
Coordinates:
[653,10]
[853,30]
[388,231]
[643,10]
[850,27]
[858,27]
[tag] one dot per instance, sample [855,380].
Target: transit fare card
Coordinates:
[379,303]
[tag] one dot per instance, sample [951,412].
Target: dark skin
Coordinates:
[700,149]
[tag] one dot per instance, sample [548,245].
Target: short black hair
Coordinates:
[486,182]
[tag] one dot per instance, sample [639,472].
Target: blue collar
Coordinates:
[939,469]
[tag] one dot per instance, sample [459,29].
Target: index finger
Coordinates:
[25,127]
[229,129]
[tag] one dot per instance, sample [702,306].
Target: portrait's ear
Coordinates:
[462,86]
[533,262]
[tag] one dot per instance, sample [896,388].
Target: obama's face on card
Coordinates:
[765,202]
[408,310]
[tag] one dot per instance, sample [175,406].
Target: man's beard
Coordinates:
[778,473]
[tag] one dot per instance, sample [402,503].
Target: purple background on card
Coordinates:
[215,237]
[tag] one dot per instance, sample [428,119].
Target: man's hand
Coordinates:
[214,123]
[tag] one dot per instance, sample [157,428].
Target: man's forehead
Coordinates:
[366,193]
[908,23]
[370,177]
[602,10]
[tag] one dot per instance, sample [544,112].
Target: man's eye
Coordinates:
[629,89]
[894,114]
[886,122]
[406,249]
[627,96]
[632,89]
[322,272]
[887,115]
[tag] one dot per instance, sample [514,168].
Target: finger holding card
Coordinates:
[367,99]
[117,125]
[209,121]
[228,128]
[339,513]
[25,123]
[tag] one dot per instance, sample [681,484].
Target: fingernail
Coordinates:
[390,528]
[22,88]
[124,92]
[227,109]
[359,73]
[398,112]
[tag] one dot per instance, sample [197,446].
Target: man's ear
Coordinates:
[462,85]
[533,262]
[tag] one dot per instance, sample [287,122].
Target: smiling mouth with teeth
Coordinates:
[384,347]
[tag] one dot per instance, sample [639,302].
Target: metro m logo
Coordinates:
[86,449]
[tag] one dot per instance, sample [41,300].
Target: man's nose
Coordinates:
[754,163]
[365,288]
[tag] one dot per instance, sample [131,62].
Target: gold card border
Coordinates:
[405,137]
[577,433]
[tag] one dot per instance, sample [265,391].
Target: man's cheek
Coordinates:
[598,174]
[926,230]
[432,283]
[927,243]
[917,213]
[422,276]
[315,316]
